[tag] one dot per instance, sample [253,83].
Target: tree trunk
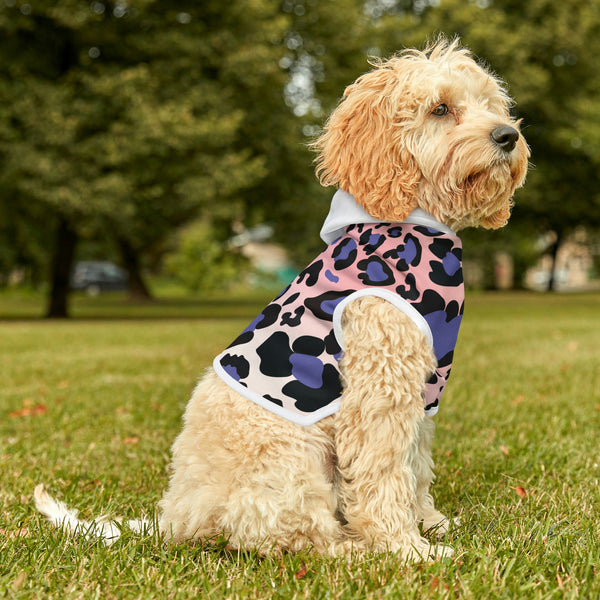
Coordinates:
[131,262]
[554,254]
[62,263]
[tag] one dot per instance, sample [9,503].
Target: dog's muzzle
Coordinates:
[505,137]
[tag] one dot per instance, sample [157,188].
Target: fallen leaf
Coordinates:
[131,440]
[434,584]
[14,533]
[520,491]
[504,450]
[26,411]
[301,572]
[518,400]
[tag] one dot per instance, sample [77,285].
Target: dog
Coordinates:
[313,430]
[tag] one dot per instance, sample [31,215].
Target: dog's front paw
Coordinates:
[427,552]
[437,525]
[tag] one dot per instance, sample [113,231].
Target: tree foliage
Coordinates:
[130,118]
[124,120]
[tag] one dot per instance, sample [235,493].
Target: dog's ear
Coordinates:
[362,149]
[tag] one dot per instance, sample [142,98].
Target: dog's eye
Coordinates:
[441,110]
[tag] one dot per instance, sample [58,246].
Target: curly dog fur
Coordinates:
[414,132]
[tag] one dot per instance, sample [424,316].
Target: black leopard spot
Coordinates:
[267,317]
[441,247]
[433,379]
[411,292]
[331,344]
[408,254]
[235,366]
[274,400]
[275,354]
[446,360]
[244,337]
[395,232]
[429,232]
[309,344]
[448,272]
[344,254]
[291,299]
[311,273]
[430,302]
[453,310]
[371,241]
[375,272]
[440,276]
[324,305]
[433,405]
[287,319]
[309,399]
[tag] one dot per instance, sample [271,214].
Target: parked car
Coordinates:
[95,277]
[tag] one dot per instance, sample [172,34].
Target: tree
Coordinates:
[126,118]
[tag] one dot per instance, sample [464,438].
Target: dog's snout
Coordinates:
[506,137]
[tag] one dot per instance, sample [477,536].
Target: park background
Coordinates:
[170,138]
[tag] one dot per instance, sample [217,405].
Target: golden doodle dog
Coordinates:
[314,429]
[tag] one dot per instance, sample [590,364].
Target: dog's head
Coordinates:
[428,130]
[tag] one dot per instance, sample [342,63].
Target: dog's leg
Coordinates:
[423,467]
[386,361]
[260,480]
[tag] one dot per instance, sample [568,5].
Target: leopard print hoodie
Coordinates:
[287,359]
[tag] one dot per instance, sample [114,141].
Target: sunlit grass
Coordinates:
[91,406]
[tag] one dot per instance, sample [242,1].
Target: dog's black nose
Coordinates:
[506,137]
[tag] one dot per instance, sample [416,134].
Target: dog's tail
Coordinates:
[63,517]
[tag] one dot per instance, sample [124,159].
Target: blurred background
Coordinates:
[160,147]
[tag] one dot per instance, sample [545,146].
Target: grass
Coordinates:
[91,406]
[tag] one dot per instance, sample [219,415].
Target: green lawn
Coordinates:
[91,406]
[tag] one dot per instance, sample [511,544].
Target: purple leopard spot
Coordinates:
[267,317]
[331,276]
[374,239]
[345,250]
[445,332]
[409,252]
[375,272]
[307,370]
[451,264]
[254,323]
[231,371]
[329,306]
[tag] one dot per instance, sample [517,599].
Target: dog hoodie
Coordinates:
[287,359]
